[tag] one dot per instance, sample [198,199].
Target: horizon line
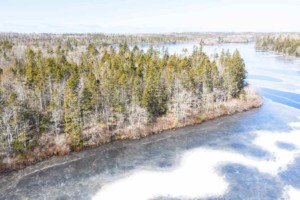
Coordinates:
[146,33]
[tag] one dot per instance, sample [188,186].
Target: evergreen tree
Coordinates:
[234,75]
[72,109]
[154,96]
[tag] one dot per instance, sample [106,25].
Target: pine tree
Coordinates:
[30,67]
[234,75]
[154,96]
[72,109]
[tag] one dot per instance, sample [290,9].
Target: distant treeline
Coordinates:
[102,89]
[77,40]
[281,44]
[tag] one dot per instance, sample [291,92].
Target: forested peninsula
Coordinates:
[71,97]
[284,44]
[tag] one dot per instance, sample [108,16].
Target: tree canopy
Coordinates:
[63,91]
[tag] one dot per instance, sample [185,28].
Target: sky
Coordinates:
[149,16]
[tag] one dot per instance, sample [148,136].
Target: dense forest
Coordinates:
[55,100]
[288,45]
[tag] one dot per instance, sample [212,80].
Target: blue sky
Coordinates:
[148,16]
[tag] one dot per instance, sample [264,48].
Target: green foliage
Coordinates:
[72,107]
[6,45]
[86,101]
[30,67]
[91,50]
[56,92]
[12,97]
[234,74]
[19,143]
[154,95]
[286,45]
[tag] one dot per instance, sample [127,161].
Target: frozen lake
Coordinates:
[251,155]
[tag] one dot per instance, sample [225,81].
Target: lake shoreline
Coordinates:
[162,124]
[276,52]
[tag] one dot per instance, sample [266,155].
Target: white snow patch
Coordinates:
[291,193]
[196,176]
